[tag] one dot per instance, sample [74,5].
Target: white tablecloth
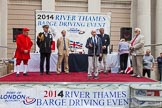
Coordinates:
[34,62]
[113,60]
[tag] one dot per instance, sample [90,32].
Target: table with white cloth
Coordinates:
[34,62]
[113,62]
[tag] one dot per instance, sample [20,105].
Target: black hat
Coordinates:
[45,26]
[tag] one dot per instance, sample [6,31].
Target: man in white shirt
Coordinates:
[94,45]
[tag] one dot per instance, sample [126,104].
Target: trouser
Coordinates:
[148,71]
[137,64]
[18,62]
[62,57]
[44,56]
[160,72]
[104,60]
[123,61]
[93,64]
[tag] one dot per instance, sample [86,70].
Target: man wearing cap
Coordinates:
[44,41]
[22,53]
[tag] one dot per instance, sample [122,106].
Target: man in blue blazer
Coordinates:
[105,38]
[94,45]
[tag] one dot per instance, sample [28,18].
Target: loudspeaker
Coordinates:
[16,31]
[126,33]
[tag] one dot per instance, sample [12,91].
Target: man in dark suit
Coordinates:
[44,41]
[94,45]
[105,43]
[159,61]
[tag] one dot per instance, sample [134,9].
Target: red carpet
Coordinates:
[72,77]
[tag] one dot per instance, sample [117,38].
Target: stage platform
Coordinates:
[72,77]
[73,90]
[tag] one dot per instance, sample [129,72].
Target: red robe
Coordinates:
[23,43]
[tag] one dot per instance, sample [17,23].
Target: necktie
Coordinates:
[132,43]
[64,44]
[94,41]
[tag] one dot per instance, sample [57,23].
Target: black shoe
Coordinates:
[96,77]
[25,74]
[41,73]
[47,73]
[17,75]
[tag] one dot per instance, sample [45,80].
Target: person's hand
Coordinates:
[25,51]
[103,47]
[152,69]
[100,55]
[131,48]
[90,45]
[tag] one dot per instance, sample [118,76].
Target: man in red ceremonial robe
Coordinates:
[22,53]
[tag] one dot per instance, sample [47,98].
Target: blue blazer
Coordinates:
[105,42]
[98,46]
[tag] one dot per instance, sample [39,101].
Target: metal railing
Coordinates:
[152,45]
[7,47]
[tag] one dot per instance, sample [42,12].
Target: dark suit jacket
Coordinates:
[44,43]
[159,60]
[97,47]
[105,42]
